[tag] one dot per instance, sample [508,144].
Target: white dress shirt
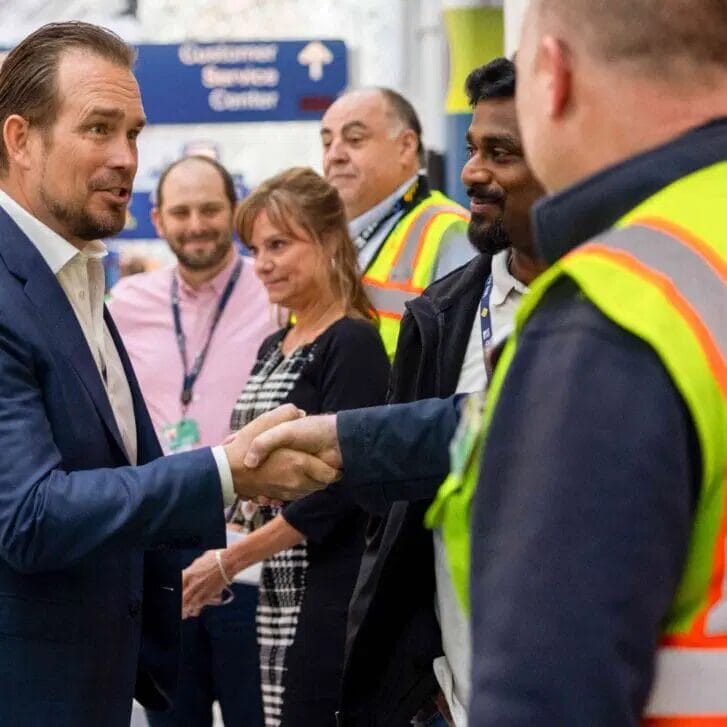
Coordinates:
[504,301]
[80,274]
[453,669]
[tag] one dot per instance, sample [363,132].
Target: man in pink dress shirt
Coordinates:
[192,333]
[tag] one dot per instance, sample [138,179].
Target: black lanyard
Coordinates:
[486,314]
[415,193]
[190,376]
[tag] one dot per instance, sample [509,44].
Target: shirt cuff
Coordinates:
[225,472]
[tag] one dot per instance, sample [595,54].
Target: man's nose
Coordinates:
[476,171]
[336,152]
[124,154]
[195,221]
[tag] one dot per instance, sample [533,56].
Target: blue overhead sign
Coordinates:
[196,83]
[201,83]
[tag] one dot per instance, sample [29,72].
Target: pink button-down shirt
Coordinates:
[141,307]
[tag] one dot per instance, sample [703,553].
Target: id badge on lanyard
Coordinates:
[180,436]
[184,434]
[463,444]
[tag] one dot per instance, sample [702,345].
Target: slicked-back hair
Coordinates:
[659,35]
[227,181]
[495,79]
[29,75]
[404,113]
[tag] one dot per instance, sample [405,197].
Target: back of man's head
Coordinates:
[601,81]
[28,77]
[659,37]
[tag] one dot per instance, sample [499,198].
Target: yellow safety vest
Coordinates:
[660,274]
[404,265]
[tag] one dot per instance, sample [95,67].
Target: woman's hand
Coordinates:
[202,584]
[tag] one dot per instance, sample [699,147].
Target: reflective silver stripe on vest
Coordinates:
[689,683]
[695,279]
[403,271]
[388,300]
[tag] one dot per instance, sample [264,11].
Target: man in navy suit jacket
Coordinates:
[89,510]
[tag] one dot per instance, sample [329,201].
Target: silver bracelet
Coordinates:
[225,577]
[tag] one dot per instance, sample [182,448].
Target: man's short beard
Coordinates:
[488,238]
[208,261]
[79,223]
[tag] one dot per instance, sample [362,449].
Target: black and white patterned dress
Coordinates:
[304,591]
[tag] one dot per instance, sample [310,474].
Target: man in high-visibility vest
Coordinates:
[597,585]
[591,496]
[407,234]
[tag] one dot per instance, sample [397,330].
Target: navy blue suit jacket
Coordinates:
[89,578]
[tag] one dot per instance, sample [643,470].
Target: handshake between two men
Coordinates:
[283,455]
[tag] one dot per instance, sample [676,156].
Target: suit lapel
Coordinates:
[147,444]
[56,316]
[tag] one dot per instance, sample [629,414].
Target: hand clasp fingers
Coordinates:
[274,418]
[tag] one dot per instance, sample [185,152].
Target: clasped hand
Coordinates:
[283,455]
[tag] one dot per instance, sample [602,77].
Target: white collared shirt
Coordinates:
[453,669]
[505,298]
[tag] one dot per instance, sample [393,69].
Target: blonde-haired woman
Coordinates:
[330,358]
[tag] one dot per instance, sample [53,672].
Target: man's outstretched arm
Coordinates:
[387,453]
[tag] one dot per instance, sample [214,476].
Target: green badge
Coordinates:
[182,436]
[463,444]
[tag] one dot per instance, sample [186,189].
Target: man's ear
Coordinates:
[18,141]
[409,145]
[156,220]
[555,66]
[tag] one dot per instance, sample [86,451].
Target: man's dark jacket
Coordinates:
[393,634]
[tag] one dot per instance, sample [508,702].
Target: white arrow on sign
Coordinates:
[315,55]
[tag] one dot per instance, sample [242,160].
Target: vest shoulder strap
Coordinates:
[413,230]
